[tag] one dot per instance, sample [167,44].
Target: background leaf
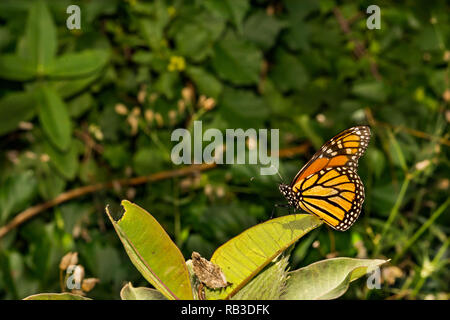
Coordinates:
[327,279]
[128,292]
[54,118]
[236,60]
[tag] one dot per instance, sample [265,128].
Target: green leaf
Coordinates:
[206,83]
[244,256]
[129,292]
[68,88]
[56,296]
[243,108]
[65,162]
[193,41]
[237,10]
[78,64]
[13,67]
[373,90]
[327,279]
[54,118]
[40,41]
[16,193]
[14,108]
[237,61]
[152,252]
[234,10]
[167,84]
[79,105]
[51,184]
[269,284]
[288,72]
[262,29]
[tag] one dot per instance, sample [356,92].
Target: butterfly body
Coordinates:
[328,185]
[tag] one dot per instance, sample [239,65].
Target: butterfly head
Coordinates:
[289,194]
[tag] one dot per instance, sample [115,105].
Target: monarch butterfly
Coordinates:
[328,185]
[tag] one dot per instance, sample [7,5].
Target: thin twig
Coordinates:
[413,132]
[78,192]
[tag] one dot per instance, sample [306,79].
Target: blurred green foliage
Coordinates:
[78,107]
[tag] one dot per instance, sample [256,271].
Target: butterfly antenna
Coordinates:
[278,173]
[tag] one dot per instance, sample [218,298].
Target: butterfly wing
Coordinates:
[328,185]
[334,194]
[343,150]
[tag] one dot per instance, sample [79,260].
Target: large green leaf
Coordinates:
[40,41]
[67,88]
[262,29]
[269,284]
[56,296]
[129,292]
[54,118]
[288,73]
[237,61]
[244,256]
[327,279]
[152,252]
[13,67]
[78,64]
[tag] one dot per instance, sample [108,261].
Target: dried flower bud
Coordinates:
[89,284]
[220,192]
[201,101]
[172,116]
[121,109]
[316,244]
[446,56]
[188,93]
[181,106]
[209,104]
[208,189]
[159,119]
[44,157]
[30,155]
[25,125]
[142,94]
[391,273]
[69,259]
[136,111]
[149,116]
[134,122]
[422,164]
[446,95]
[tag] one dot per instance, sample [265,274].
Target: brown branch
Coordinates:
[78,192]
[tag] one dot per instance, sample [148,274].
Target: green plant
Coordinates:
[255,262]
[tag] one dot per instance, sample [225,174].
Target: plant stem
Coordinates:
[422,229]
[434,263]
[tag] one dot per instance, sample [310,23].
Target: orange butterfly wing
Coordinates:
[328,185]
[342,150]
